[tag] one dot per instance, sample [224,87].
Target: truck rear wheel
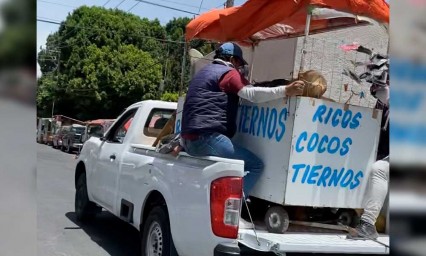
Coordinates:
[347,217]
[156,236]
[277,220]
[84,208]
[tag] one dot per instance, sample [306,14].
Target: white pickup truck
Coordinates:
[182,205]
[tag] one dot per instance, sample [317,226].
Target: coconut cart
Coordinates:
[316,152]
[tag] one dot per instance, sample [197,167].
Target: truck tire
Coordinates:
[84,209]
[156,236]
[277,220]
[347,217]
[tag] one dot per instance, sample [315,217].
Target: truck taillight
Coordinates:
[225,203]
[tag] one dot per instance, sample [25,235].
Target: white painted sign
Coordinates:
[316,153]
[266,129]
[178,122]
[332,150]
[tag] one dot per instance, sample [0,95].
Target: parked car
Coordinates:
[59,134]
[72,138]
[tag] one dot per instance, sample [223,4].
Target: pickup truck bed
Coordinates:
[295,242]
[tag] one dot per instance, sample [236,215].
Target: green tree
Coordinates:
[175,29]
[99,62]
[170,97]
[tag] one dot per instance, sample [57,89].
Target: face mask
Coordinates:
[243,70]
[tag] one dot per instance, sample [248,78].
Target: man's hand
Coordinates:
[295,88]
[176,151]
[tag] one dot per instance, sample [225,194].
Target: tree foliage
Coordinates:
[175,30]
[109,59]
[170,96]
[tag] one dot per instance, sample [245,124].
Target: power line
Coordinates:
[48,21]
[201,4]
[44,1]
[168,7]
[221,5]
[41,19]
[182,4]
[119,4]
[106,3]
[59,39]
[133,6]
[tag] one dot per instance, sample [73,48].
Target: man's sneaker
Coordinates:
[243,224]
[364,231]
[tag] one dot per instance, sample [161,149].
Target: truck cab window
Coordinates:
[119,130]
[157,119]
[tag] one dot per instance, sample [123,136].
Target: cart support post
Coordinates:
[252,63]
[305,39]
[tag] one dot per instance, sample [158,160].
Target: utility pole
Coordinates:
[229,3]
[57,78]
[53,107]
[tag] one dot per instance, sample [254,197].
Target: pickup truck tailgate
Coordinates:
[310,243]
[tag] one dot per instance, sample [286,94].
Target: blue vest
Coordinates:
[207,109]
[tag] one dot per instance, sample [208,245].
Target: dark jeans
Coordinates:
[219,145]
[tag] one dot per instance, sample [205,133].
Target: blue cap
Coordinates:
[231,49]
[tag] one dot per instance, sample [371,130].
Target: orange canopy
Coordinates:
[267,19]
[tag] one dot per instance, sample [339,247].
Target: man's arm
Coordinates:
[233,82]
[273,83]
[262,94]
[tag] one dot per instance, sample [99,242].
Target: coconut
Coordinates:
[315,84]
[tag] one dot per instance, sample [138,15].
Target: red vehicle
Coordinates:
[96,128]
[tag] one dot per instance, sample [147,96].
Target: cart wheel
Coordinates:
[347,217]
[277,220]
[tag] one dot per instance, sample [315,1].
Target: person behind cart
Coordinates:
[211,105]
[378,181]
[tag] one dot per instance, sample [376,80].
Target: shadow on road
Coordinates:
[118,238]
[112,234]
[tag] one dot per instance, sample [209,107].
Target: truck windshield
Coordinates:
[96,130]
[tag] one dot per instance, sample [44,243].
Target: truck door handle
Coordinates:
[112,157]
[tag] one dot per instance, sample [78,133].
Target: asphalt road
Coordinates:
[58,232]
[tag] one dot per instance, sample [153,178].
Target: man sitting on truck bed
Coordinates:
[211,105]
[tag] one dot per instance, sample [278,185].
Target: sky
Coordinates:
[57,11]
